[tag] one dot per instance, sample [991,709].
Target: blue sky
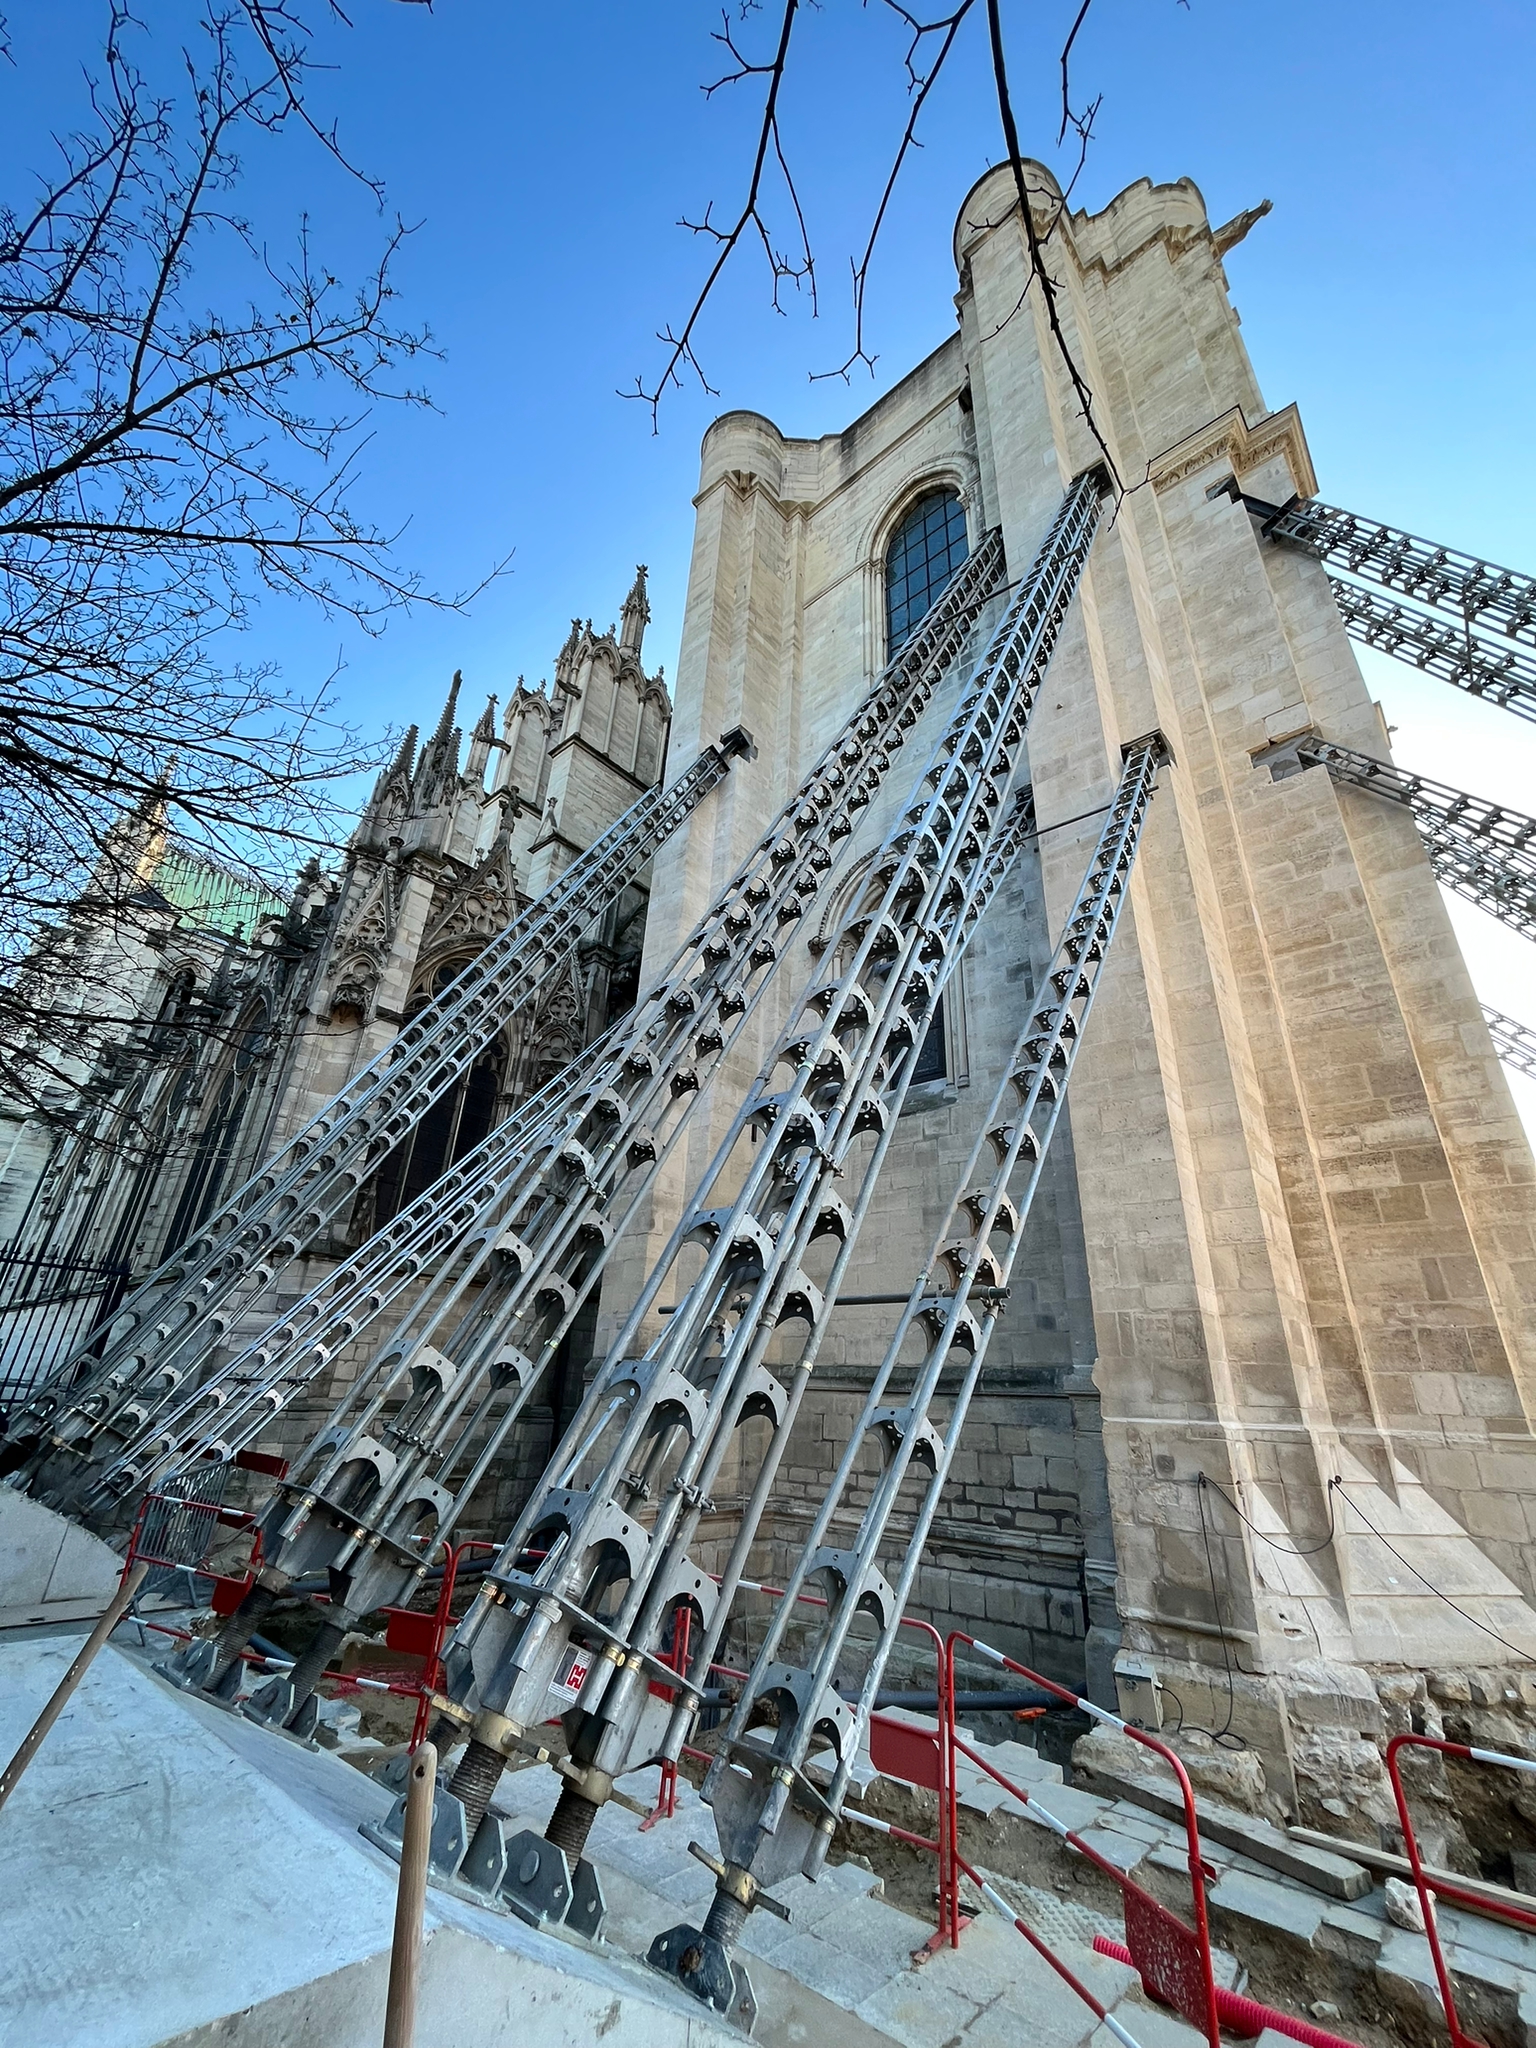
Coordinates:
[548,153]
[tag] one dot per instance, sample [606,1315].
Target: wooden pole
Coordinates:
[410,1900]
[32,1741]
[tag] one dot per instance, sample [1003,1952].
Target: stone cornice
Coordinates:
[575,741]
[1230,439]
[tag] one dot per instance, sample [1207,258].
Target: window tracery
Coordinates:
[924,552]
[455,1124]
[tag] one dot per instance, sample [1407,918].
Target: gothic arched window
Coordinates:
[925,551]
[221,1132]
[454,1125]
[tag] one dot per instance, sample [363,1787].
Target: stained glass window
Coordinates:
[925,551]
[933,1059]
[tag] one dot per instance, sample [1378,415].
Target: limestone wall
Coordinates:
[1292,1232]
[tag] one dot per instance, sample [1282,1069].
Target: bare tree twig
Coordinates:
[682,353]
[1033,239]
[920,84]
[283,32]
[1068,118]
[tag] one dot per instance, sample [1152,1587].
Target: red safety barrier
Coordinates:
[1244,2017]
[1172,1958]
[178,1534]
[1430,1884]
[421,1635]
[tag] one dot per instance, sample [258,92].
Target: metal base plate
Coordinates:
[537,1882]
[449,1841]
[520,1873]
[701,1965]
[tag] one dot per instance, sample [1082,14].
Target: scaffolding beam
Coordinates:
[1501,602]
[1514,1042]
[1486,852]
[1502,675]
[1468,621]
[189,1303]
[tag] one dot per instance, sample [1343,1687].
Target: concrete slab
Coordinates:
[1016,1995]
[50,1568]
[191,1876]
[1137,1826]
[1490,1938]
[1276,1908]
[1018,1761]
[1150,2027]
[843,1978]
[1123,1851]
[918,2012]
[1071,1806]
[1353,1936]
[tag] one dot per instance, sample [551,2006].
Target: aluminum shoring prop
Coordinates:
[186,1305]
[597,1567]
[1495,608]
[1514,1042]
[1504,675]
[771,1817]
[535,1236]
[186,1428]
[1484,851]
[446,1439]
[736,939]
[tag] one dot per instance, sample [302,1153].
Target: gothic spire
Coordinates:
[636,615]
[565,660]
[481,740]
[396,774]
[439,762]
[445,723]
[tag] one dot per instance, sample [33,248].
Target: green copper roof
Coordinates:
[212,897]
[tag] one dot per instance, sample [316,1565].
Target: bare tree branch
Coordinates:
[163,465]
[922,75]
[920,84]
[682,353]
[1033,238]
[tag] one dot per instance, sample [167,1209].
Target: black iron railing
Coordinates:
[48,1308]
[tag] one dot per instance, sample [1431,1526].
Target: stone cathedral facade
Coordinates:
[1258,1421]
[254,1013]
[1281,1280]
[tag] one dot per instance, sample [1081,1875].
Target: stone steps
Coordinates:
[867,1963]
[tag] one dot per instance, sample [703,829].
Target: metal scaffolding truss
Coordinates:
[1484,851]
[1506,676]
[1514,1042]
[586,1593]
[784,1763]
[1501,601]
[512,1245]
[188,1304]
[1494,609]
